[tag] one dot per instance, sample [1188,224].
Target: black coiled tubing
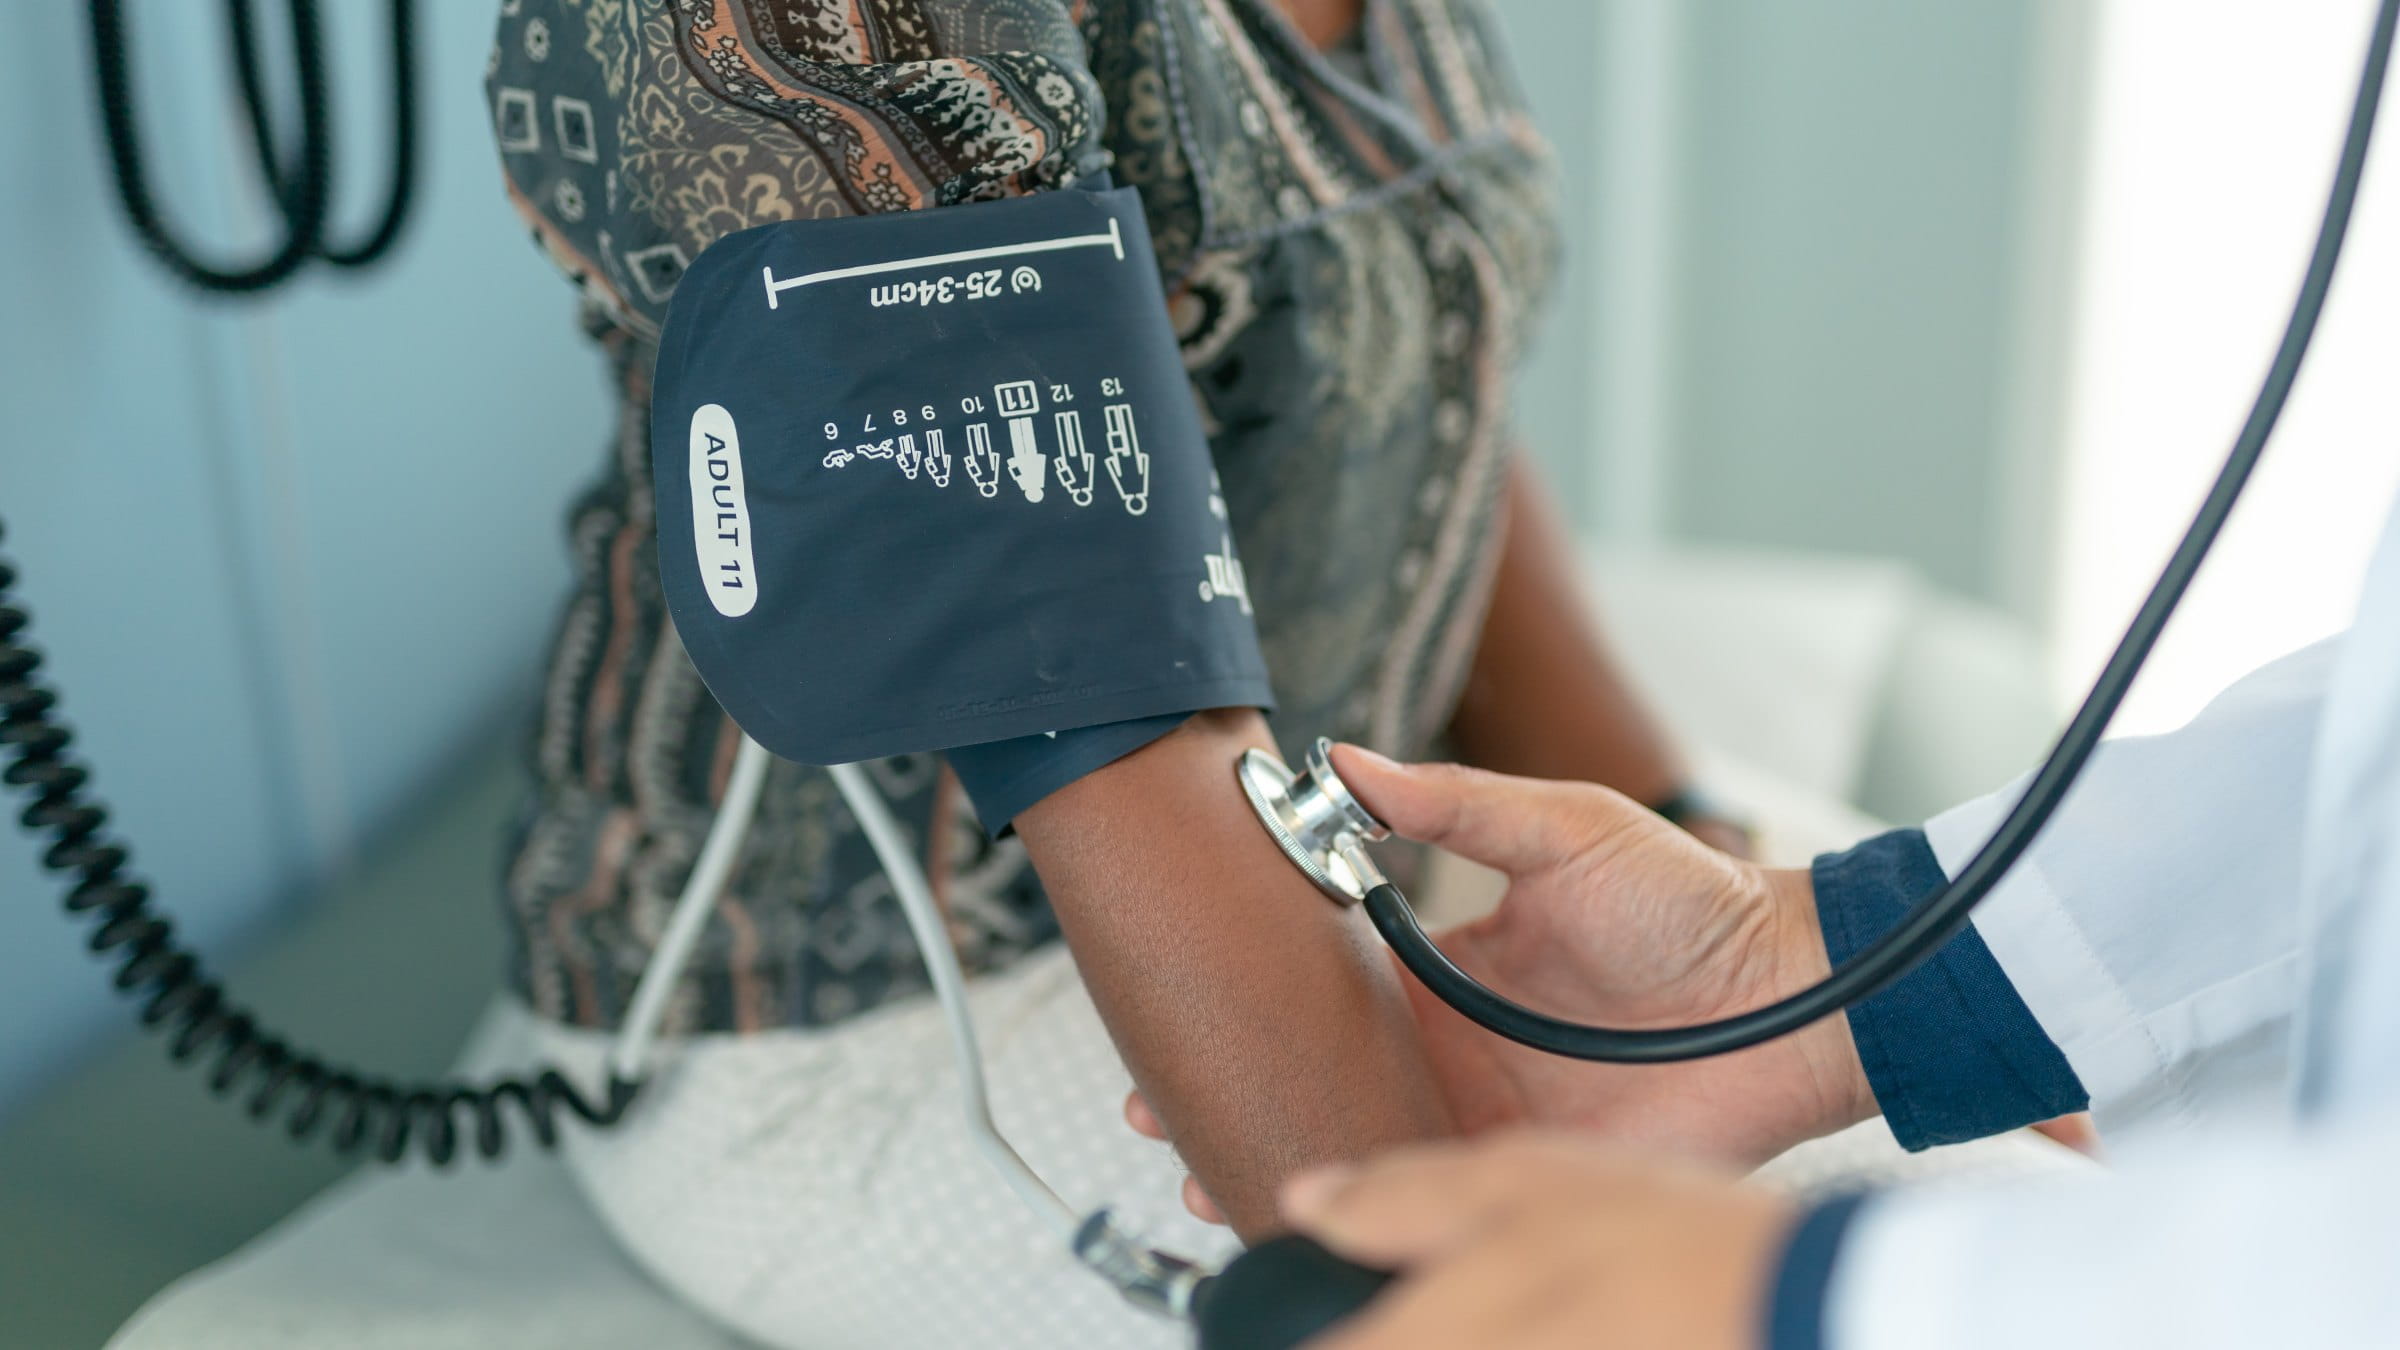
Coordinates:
[312,1096]
[299,176]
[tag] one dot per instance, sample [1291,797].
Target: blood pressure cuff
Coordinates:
[935,479]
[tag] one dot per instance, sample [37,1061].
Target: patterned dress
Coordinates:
[1351,250]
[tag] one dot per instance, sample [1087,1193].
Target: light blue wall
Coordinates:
[1856,190]
[1837,352]
[1554,45]
[287,560]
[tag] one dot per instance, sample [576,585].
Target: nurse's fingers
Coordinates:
[1411,1204]
[1518,825]
[2076,1132]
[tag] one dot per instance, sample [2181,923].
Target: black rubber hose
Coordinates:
[311,1094]
[249,79]
[399,195]
[302,198]
[1939,917]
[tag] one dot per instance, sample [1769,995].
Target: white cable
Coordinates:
[1151,1279]
[632,1052]
[949,986]
[631,1055]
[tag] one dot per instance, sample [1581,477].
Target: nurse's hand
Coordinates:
[1543,1242]
[1614,916]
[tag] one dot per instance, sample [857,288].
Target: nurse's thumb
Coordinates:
[1517,825]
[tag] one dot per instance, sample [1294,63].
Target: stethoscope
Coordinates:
[1276,1294]
[1324,831]
[1322,828]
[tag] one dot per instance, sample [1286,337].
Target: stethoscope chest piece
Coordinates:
[1315,821]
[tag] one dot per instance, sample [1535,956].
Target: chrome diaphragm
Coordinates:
[1315,821]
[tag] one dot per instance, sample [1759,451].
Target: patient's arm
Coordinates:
[1261,1020]
[1263,1023]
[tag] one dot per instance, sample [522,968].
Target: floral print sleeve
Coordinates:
[635,133]
[1351,254]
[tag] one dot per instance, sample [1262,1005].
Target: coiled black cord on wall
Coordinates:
[300,180]
[399,194]
[311,1095]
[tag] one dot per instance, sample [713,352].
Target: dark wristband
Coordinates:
[1687,805]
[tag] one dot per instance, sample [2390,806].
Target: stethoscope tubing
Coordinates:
[1933,921]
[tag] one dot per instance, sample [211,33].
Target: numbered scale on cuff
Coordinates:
[942,482]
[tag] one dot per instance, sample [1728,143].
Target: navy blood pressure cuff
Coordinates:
[935,478]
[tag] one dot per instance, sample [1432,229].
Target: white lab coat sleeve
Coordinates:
[2155,928]
[2240,1242]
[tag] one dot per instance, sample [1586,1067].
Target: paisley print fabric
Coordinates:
[1351,260]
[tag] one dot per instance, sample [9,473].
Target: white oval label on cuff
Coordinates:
[721,513]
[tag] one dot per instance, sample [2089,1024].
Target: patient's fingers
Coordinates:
[1143,1120]
[1196,1200]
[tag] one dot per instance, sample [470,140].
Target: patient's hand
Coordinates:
[1614,916]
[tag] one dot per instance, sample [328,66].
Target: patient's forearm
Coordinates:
[1258,1018]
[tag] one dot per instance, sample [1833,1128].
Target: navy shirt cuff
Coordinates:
[1796,1300]
[1951,1051]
